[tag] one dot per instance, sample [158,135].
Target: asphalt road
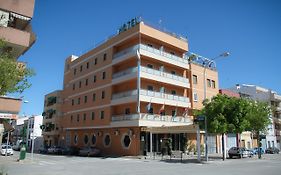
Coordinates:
[52,165]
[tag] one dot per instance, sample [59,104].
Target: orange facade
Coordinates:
[136,80]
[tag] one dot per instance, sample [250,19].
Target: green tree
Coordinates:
[257,116]
[14,76]
[225,114]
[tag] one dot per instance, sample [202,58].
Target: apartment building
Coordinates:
[52,117]
[197,68]
[129,94]
[16,31]
[258,93]
[15,25]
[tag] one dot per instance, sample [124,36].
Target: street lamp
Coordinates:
[207,63]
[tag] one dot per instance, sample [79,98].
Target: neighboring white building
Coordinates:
[264,95]
[34,122]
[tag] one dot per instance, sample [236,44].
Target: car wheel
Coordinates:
[240,156]
[230,156]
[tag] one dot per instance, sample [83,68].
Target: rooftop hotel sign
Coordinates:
[131,23]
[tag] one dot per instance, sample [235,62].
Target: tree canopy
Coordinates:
[234,115]
[14,75]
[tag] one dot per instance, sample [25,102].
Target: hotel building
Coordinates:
[132,92]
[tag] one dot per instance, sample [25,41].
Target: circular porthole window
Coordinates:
[86,139]
[126,141]
[75,139]
[106,140]
[94,139]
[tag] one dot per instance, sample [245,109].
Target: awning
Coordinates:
[20,16]
[8,116]
[171,129]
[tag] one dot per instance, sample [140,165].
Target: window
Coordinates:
[81,68]
[104,57]
[126,141]
[103,75]
[85,99]
[209,82]
[106,140]
[127,111]
[173,113]
[150,88]
[173,72]
[213,84]
[94,96]
[72,102]
[194,79]
[78,101]
[93,115]
[78,117]
[80,83]
[74,71]
[95,78]
[75,139]
[86,82]
[94,139]
[173,92]
[71,118]
[195,97]
[101,114]
[96,61]
[86,139]
[102,94]
[84,116]
[73,86]
[150,66]
[87,65]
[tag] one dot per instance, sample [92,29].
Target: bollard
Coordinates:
[22,152]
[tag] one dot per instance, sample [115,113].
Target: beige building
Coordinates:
[125,95]
[15,25]
[16,31]
[52,116]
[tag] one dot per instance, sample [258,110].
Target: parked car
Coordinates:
[70,151]
[43,150]
[255,150]
[272,150]
[6,149]
[239,152]
[54,150]
[89,151]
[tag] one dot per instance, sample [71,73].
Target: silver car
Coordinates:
[6,149]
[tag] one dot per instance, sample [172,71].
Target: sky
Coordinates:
[249,29]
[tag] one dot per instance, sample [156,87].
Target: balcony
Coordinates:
[150,96]
[125,75]
[163,98]
[124,97]
[144,119]
[164,77]
[152,53]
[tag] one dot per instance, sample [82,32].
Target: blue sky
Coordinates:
[249,29]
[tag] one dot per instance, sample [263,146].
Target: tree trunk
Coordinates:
[259,145]
[223,147]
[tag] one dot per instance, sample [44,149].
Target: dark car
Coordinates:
[89,151]
[272,150]
[43,150]
[70,151]
[54,150]
[238,152]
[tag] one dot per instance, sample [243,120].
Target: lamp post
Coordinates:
[207,63]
